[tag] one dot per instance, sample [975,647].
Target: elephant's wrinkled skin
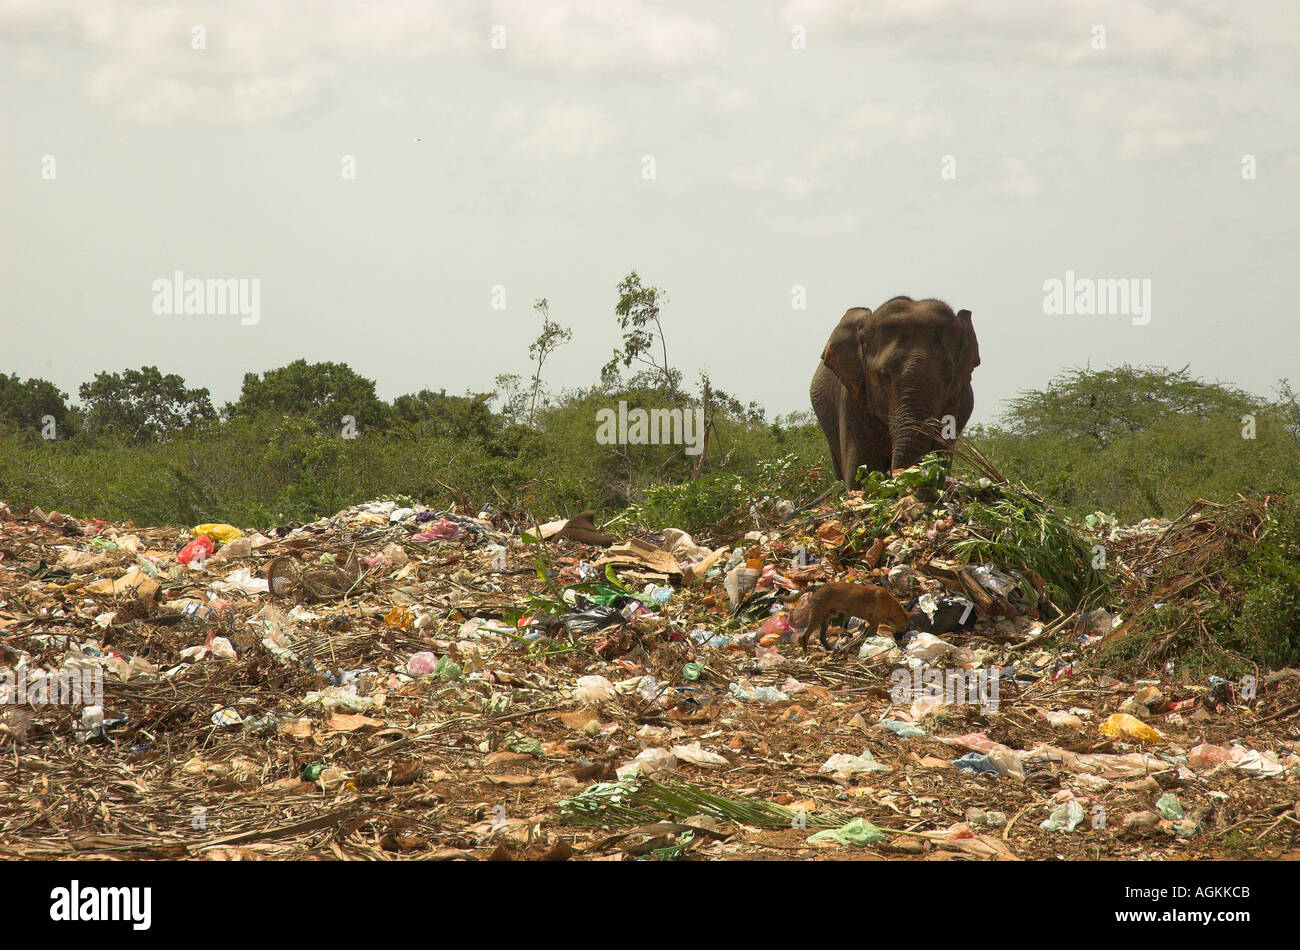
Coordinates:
[884,372]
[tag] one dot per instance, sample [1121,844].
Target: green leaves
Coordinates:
[139,406]
[24,402]
[929,474]
[324,392]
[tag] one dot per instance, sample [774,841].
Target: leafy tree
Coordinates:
[509,389]
[1102,405]
[435,413]
[638,311]
[24,403]
[1143,441]
[719,404]
[323,392]
[1289,406]
[552,337]
[142,405]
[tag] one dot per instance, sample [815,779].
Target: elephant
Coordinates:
[885,372]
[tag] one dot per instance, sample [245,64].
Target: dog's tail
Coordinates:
[795,597]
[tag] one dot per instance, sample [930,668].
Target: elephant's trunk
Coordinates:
[913,407]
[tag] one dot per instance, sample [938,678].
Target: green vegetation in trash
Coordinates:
[1226,602]
[925,480]
[725,499]
[1017,529]
[641,801]
[1006,525]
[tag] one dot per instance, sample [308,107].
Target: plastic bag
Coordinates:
[440,530]
[1124,726]
[218,532]
[592,690]
[856,833]
[852,764]
[1064,817]
[200,548]
[904,730]
[421,663]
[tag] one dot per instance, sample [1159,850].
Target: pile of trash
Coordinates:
[398,681]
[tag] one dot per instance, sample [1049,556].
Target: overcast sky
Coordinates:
[774,166]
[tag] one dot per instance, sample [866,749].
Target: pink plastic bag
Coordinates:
[422,663]
[440,530]
[1205,756]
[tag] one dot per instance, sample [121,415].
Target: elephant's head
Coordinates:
[905,363]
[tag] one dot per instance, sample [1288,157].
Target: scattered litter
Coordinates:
[843,764]
[456,662]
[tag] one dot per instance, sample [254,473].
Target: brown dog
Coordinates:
[875,605]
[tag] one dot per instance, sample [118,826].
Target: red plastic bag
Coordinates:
[201,547]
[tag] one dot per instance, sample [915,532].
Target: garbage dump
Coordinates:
[397,681]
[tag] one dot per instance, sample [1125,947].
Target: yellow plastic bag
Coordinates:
[1124,726]
[219,532]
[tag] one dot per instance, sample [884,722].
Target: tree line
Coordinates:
[305,439]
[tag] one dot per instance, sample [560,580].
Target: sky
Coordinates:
[768,164]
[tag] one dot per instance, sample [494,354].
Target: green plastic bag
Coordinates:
[856,834]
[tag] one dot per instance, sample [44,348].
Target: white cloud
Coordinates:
[139,98]
[588,35]
[796,186]
[1139,33]
[264,60]
[1144,144]
[1148,128]
[850,137]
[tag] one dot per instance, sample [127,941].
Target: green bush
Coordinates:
[260,468]
[1267,628]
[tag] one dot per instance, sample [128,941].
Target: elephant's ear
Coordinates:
[970,345]
[841,354]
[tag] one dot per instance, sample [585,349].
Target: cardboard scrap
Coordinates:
[134,583]
[641,554]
